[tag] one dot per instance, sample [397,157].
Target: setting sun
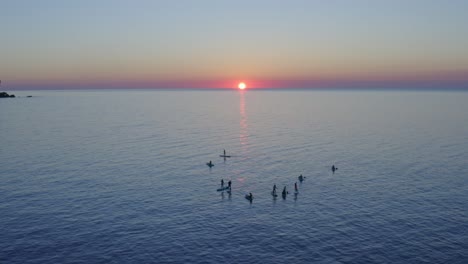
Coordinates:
[242,86]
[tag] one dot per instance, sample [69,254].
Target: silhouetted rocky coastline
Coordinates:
[5,95]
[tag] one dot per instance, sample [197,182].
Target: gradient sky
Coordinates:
[333,43]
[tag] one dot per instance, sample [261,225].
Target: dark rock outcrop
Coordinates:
[5,95]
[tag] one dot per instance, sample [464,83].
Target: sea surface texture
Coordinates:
[121,177]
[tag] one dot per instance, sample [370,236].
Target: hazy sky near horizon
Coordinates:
[218,43]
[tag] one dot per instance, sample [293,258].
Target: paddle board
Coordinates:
[223,189]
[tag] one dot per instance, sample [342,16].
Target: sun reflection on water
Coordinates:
[243,134]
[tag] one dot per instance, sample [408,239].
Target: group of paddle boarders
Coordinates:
[249,196]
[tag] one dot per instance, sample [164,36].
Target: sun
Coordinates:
[241,86]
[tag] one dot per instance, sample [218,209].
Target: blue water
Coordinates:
[120,177]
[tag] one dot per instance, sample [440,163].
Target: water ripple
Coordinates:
[121,177]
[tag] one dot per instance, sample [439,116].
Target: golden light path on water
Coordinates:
[243,134]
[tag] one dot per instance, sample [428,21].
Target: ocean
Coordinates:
[120,176]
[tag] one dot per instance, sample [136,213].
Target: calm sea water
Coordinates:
[120,177]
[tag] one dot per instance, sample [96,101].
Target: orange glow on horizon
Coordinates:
[242,86]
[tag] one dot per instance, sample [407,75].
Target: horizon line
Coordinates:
[396,88]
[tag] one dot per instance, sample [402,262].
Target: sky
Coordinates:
[217,44]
